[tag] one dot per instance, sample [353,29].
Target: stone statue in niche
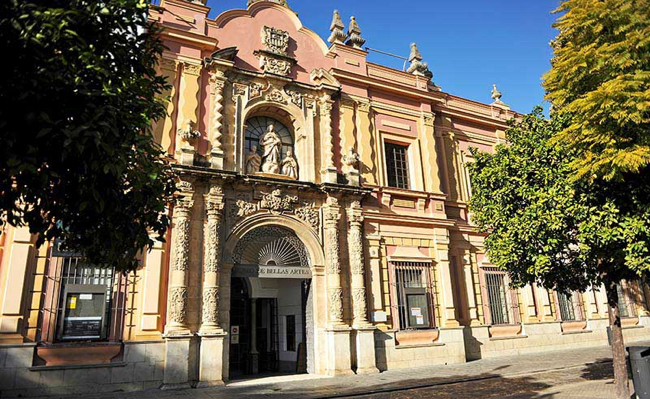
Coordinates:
[253,161]
[272,148]
[290,165]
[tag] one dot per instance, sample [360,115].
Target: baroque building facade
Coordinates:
[321,226]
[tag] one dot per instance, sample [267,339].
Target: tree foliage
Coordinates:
[547,228]
[601,75]
[77,102]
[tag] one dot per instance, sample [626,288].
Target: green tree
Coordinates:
[547,228]
[79,95]
[601,75]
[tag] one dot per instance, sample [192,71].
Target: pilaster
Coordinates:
[333,260]
[468,274]
[530,308]
[364,147]
[164,129]
[217,86]
[432,179]
[444,268]
[20,253]
[328,171]
[188,113]
[347,125]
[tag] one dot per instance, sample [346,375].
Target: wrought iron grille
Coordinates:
[565,304]
[65,271]
[413,289]
[397,165]
[626,306]
[502,302]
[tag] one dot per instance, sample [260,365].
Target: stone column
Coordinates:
[338,334]
[238,97]
[254,355]
[188,113]
[365,332]
[217,84]
[211,333]
[364,147]
[177,332]
[328,172]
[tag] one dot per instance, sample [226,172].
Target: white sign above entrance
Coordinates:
[270,271]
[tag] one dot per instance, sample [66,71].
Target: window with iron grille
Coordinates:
[81,302]
[626,306]
[396,165]
[501,301]
[412,295]
[569,307]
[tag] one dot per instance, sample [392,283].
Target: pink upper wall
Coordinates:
[243,29]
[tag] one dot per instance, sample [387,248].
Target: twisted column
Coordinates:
[177,302]
[357,267]
[333,261]
[214,204]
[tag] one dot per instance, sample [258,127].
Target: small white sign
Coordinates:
[85,297]
[416,312]
[419,320]
[234,339]
[379,317]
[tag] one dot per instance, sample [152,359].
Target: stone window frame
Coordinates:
[511,297]
[415,171]
[429,277]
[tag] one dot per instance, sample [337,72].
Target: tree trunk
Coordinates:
[621,385]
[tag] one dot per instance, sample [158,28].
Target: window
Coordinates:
[569,307]
[81,302]
[626,306]
[501,307]
[396,165]
[291,333]
[412,291]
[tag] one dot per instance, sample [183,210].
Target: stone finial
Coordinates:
[354,34]
[418,67]
[338,35]
[496,96]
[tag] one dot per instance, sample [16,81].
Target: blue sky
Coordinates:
[469,44]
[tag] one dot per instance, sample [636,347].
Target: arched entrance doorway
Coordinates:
[271,325]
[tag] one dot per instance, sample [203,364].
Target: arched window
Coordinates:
[255,129]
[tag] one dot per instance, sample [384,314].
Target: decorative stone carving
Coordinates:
[178,305]
[211,305]
[214,207]
[275,40]
[308,213]
[354,33]
[418,67]
[276,203]
[238,91]
[253,161]
[184,186]
[191,69]
[188,132]
[256,90]
[328,139]
[333,251]
[245,208]
[295,97]
[351,160]
[181,245]
[355,241]
[359,304]
[276,96]
[274,65]
[336,304]
[290,165]
[337,27]
[272,149]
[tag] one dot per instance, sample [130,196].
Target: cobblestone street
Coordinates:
[579,373]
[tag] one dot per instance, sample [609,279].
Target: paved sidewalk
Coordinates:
[577,373]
